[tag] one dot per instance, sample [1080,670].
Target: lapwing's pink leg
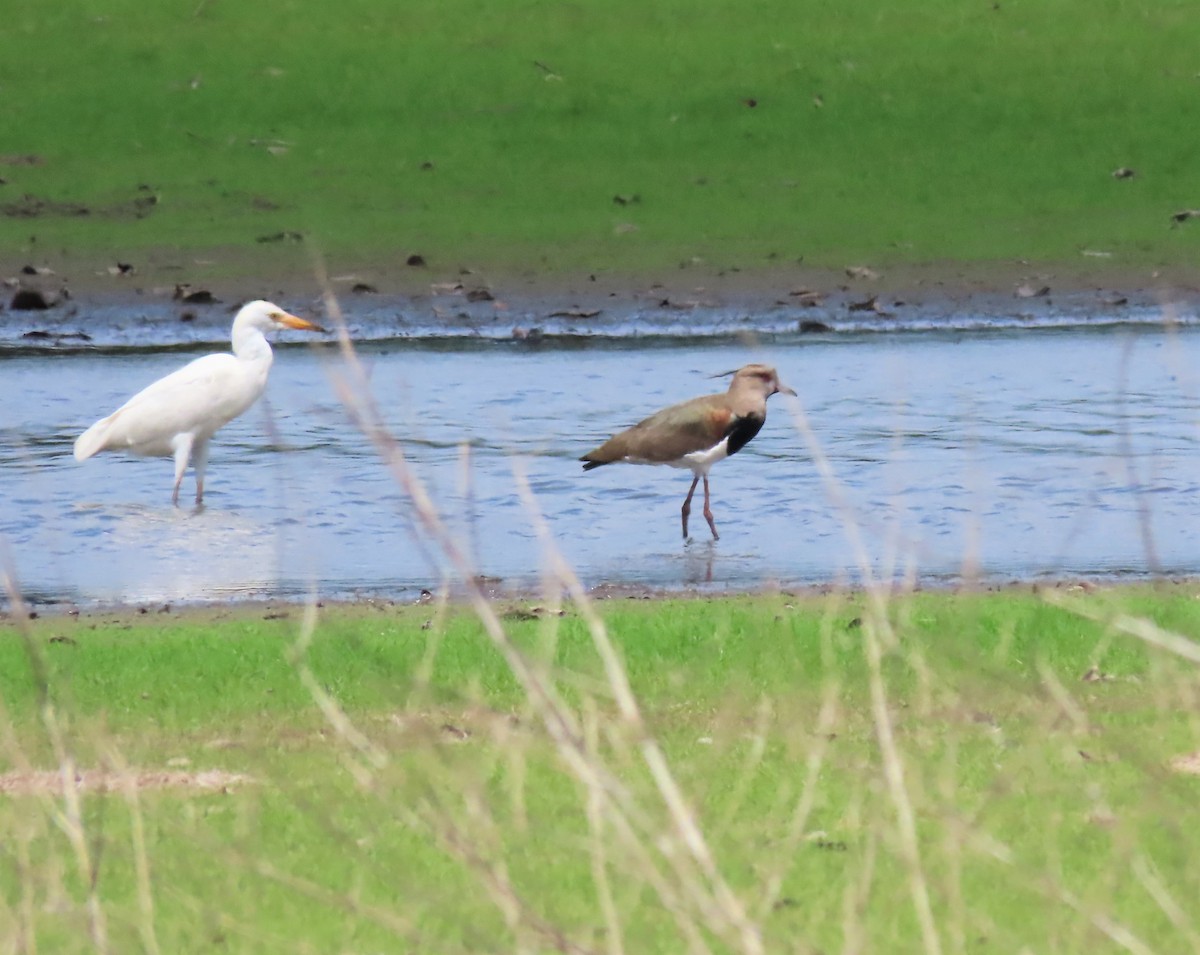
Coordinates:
[687,502]
[708,511]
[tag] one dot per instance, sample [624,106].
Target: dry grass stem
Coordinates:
[686,824]
[877,633]
[1145,630]
[1145,872]
[69,816]
[127,781]
[372,756]
[613,937]
[556,717]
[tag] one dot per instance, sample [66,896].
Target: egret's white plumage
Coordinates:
[177,415]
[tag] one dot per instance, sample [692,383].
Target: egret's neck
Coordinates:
[250,345]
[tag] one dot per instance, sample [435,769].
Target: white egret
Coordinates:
[177,415]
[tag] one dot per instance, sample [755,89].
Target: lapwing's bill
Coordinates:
[696,434]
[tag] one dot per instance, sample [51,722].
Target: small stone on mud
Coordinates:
[363,288]
[575,313]
[1032,291]
[57,337]
[415,260]
[32,300]
[184,293]
[807,297]
[479,295]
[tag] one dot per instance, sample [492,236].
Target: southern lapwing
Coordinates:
[696,434]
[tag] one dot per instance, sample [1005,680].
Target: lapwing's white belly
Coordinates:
[698,462]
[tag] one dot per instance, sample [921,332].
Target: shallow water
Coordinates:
[1015,453]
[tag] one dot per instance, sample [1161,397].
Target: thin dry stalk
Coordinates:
[356,398]
[127,783]
[1140,627]
[518,915]
[423,675]
[70,820]
[613,937]
[856,898]
[554,715]
[798,824]
[827,718]
[952,842]
[68,817]
[754,758]
[383,917]
[1148,877]
[1066,703]
[371,755]
[893,769]
[515,782]
[1051,888]
[876,632]
[26,935]
[686,825]
[466,489]
[1143,501]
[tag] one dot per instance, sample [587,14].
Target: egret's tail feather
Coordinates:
[92,440]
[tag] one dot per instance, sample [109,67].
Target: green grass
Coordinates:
[497,135]
[1046,816]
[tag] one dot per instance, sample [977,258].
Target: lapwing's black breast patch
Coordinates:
[741,430]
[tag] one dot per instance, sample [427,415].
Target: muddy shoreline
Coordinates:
[231,276]
[525,603]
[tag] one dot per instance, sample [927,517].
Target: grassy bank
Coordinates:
[618,135]
[965,771]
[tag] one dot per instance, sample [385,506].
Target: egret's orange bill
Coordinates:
[293,321]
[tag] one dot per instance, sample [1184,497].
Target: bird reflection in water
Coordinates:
[698,560]
[166,554]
